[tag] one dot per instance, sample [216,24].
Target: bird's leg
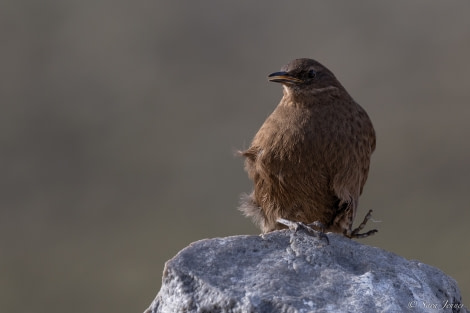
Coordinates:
[355,233]
[295,226]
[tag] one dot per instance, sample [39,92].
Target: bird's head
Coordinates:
[305,76]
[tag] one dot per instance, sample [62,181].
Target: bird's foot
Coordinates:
[355,233]
[309,228]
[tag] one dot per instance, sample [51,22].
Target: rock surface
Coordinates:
[292,272]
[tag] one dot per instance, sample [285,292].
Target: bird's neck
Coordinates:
[293,97]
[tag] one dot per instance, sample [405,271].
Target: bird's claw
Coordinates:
[309,228]
[355,233]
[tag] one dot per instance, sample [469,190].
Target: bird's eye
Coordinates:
[312,74]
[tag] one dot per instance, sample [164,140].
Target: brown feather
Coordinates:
[310,159]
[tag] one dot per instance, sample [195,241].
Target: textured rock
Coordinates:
[286,272]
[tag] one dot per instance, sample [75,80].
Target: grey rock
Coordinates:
[292,272]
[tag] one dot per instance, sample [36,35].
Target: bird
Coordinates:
[310,159]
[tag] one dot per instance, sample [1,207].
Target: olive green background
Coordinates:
[120,120]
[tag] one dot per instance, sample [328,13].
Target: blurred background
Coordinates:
[120,120]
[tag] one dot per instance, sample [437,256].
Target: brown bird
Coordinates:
[310,159]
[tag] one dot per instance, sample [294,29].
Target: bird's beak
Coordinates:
[283,77]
